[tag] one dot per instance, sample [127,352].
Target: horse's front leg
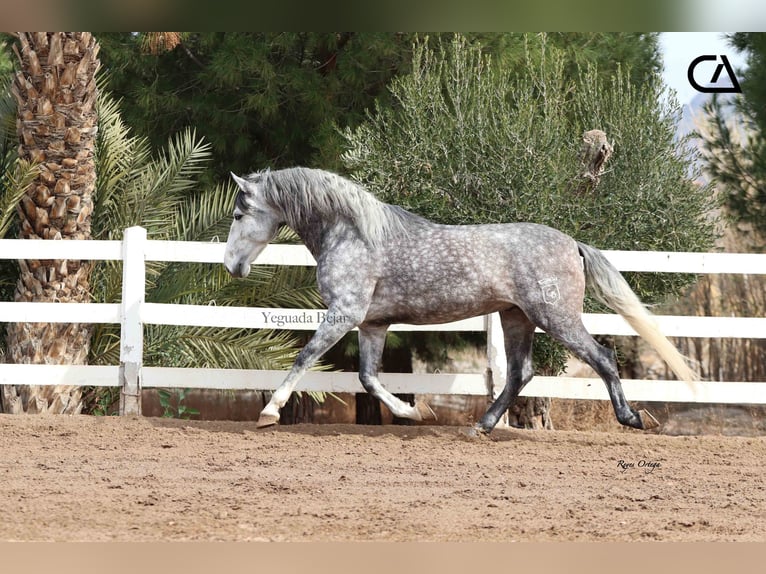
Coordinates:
[372,339]
[335,324]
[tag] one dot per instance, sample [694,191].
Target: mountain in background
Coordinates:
[693,120]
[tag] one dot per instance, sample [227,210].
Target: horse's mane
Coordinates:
[301,193]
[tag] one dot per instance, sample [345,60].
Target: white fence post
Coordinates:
[497,365]
[132,329]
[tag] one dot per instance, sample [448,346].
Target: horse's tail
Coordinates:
[611,289]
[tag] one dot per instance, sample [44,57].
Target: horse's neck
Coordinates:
[316,235]
[312,234]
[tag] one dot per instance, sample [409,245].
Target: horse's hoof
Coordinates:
[425,413]
[647,420]
[474,432]
[266,420]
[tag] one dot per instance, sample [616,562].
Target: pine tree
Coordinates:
[734,138]
[261,99]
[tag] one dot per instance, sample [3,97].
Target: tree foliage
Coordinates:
[158,192]
[260,99]
[275,99]
[467,141]
[734,150]
[734,138]
[161,192]
[754,81]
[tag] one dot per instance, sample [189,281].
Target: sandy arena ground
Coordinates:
[133,479]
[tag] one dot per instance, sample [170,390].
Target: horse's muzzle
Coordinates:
[238,269]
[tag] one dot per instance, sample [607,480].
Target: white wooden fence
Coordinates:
[133,312]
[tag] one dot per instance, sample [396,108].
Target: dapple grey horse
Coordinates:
[378,264]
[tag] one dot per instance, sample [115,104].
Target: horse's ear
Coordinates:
[242,183]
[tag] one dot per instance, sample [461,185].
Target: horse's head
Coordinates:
[255,224]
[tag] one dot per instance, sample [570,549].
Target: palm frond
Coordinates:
[8,139]
[268,286]
[162,194]
[120,157]
[105,345]
[135,189]
[183,162]
[167,179]
[14,181]
[205,216]
[184,283]
[212,347]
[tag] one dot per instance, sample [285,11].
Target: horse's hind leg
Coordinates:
[372,339]
[603,362]
[518,332]
[573,334]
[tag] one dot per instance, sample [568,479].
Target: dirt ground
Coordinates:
[135,479]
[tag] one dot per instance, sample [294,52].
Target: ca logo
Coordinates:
[714,89]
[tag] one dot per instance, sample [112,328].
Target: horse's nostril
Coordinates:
[240,270]
[231,269]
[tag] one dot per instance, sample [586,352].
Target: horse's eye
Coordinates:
[237,216]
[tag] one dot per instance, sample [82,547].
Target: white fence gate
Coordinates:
[133,312]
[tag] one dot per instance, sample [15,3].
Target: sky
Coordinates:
[680,48]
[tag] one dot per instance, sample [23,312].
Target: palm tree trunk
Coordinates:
[55,90]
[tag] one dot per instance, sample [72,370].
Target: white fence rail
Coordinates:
[133,312]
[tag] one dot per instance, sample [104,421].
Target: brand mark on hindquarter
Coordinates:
[550,289]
